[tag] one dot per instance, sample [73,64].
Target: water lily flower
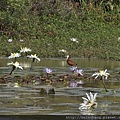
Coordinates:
[48,70]
[80,82]
[15,65]
[89,102]
[74,40]
[79,72]
[73,84]
[34,57]
[25,49]
[73,68]
[14,55]
[101,73]
[62,50]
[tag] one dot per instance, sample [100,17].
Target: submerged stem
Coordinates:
[31,65]
[104,85]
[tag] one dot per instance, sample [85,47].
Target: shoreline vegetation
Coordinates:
[49,26]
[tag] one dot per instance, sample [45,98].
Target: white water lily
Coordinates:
[89,102]
[16,65]
[101,73]
[33,57]
[14,55]
[25,49]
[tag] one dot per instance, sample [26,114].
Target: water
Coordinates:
[60,62]
[27,99]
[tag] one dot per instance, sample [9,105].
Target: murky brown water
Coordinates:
[26,99]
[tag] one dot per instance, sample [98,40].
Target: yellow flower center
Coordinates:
[25,48]
[14,54]
[16,63]
[101,72]
[34,55]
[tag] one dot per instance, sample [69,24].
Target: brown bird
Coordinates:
[70,62]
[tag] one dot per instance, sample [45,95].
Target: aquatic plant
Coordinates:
[33,57]
[14,55]
[80,82]
[48,71]
[73,84]
[73,68]
[89,102]
[79,72]
[102,73]
[25,50]
[14,65]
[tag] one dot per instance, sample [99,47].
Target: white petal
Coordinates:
[88,96]
[107,73]
[91,96]
[95,96]
[85,99]
[20,67]
[96,77]
[94,74]
[10,63]
[105,70]
[38,59]
[83,108]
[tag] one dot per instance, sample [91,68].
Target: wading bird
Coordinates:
[70,62]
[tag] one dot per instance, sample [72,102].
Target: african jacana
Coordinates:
[70,62]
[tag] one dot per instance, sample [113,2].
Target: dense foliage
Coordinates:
[46,27]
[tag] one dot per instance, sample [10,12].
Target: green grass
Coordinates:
[97,32]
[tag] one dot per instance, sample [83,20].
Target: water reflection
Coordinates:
[54,62]
[25,64]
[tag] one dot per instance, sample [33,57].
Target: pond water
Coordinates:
[28,98]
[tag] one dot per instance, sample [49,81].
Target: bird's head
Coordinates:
[67,57]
